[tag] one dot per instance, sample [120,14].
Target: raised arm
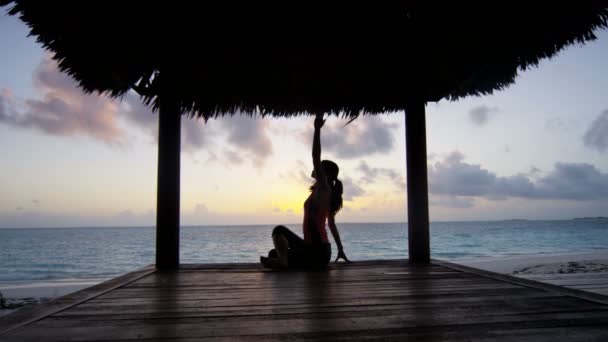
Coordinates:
[316,153]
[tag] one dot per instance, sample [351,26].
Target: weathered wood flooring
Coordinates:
[380,300]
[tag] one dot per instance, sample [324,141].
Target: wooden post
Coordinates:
[417,184]
[168,183]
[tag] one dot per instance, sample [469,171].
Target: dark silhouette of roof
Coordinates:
[286,59]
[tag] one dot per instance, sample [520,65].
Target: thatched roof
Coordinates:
[286,59]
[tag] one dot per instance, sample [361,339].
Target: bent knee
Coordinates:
[279,230]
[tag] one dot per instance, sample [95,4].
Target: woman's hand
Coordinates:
[319,121]
[341,255]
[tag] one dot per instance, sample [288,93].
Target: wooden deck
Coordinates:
[380,300]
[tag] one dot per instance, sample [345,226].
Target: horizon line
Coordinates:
[297,224]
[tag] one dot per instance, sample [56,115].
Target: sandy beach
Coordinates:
[567,263]
[18,294]
[582,271]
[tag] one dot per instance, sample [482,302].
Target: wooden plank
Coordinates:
[282,292]
[324,314]
[32,314]
[291,326]
[236,303]
[526,302]
[488,332]
[338,266]
[428,301]
[227,305]
[347,269]
[341,266]
[366,287]
[275,283]
[287,274]
[450,333]
[297,299]
[234,321]
[272,282]
[287,278]
[322,293]
[256,286]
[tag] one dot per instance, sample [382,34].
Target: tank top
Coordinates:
[314,223]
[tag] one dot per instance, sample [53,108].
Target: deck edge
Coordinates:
[29,315]
[580,294]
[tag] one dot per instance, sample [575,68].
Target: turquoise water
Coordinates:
[80,253]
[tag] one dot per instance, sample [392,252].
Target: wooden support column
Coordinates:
[168,185]
[417,184]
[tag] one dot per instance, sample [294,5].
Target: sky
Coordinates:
[537,150]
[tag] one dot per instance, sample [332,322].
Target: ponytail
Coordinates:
[336,196]
[331,171]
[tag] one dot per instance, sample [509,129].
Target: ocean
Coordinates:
[48,254]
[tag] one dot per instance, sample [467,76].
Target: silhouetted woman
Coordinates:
[324,201]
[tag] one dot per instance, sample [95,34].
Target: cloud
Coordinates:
[363,137]
[7,106]
[481,114]
[351,190]
[195,134]
[249,136]
[371,175]
[596,136]
[567,181]
[575,182]
[454,177]
[212,158]
[533,172]
[63,109]
[300,174]
[233,157]
[200,209]
[135,112]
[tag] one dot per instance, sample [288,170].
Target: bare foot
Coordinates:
[272,263]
